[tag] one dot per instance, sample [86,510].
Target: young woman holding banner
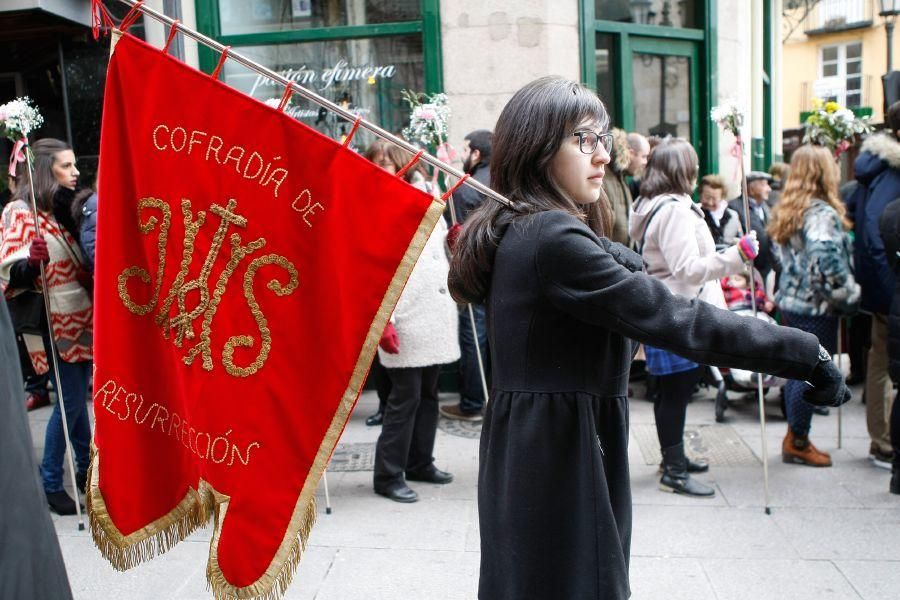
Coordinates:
[566,308]
[55,244]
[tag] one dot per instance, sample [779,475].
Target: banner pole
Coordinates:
[759,383]
[45,293]
[317,99]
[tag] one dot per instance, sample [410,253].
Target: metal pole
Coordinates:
[889,28]
[759,383]
[324,102]
[484,386]
[45,293]
[840,352]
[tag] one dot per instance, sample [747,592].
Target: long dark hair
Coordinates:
[528,134]
[672,169]
[45,184]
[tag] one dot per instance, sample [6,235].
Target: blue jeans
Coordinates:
[799,413]
[471,392]
[74,378]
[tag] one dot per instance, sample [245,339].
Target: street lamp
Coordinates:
[889,10]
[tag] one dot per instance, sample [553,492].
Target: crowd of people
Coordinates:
[536,302]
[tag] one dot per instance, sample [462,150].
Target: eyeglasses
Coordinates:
[588,140]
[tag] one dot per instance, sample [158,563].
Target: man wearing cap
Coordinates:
[758,189]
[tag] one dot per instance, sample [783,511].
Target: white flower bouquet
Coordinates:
[428,119]
[728,116]
[18,118]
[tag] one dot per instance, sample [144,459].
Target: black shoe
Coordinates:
[431,475]
[399,493]
[81,481]
[376,419]
[61,503]
[821,410]
[675,476]
[701,466]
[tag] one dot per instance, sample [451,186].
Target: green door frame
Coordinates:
[429,26]
[704,96]
[679,48]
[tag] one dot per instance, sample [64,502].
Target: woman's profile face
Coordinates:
[64,169]
[580,175]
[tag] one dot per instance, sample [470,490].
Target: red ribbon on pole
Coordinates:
[17,155]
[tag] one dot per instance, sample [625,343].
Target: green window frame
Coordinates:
[429,26]
[631,36]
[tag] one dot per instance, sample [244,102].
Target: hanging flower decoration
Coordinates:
[833,126]
[18,118]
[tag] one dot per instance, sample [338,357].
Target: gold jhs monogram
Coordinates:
[180,325]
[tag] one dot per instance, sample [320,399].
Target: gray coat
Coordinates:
[32,566]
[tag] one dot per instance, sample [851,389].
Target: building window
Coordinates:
[360,54]
[837,13]
[840,73]
[666,13]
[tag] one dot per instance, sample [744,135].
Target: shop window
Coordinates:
[366,76]
[264,16]
[606,60]
[666,13]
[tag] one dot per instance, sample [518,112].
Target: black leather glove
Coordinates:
[623,255]
[828,387]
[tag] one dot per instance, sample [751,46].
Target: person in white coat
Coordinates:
[422,336]
[678,249]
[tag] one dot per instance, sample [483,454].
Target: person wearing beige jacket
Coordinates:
[678,249]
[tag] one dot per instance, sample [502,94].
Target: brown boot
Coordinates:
[798,450]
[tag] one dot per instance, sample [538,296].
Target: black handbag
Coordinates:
[26,312]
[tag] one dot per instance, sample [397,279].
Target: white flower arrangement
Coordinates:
[428,120]
[18,118]
[728,116]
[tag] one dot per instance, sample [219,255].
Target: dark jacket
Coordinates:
[88,231]
[878,173]
[766,260]
[889,228]
[619,197]
[553,488]
[467,199]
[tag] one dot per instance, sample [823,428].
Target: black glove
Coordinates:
[828,387]
[623,255]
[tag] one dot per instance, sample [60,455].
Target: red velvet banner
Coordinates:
[246,266]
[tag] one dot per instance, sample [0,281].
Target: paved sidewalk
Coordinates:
[834,534]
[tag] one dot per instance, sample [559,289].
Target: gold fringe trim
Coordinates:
[196,508]
[124,552]
[276,587]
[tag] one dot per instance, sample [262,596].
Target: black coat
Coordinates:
[553,488]
[889,226]
[766,260]
[465,198]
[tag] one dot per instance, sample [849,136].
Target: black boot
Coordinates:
[81,481]
[675,476]
[61,503]
[701,466]
[895,474]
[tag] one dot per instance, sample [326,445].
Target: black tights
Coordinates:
[670,406]
[895,430]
